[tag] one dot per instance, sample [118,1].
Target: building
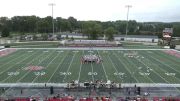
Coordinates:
[75,36]
[137,38]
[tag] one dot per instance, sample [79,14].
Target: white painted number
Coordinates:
[170,74]
[120,73]
[144,73]
[13,73]
[39,73]
[65,73]
[92,73]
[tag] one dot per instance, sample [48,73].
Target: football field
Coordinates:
[64,65]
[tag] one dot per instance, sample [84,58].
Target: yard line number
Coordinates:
[39,73]
[119,73]
[13,73]
[144,73]
[92,73]
[65,73]
[170,74]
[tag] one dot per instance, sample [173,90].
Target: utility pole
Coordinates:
[52,4]
[127,6]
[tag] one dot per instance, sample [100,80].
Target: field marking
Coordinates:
[92,72]
[21,46]
[146,68]
[170,57]
[155,71]
[114,66]
[139,70]
[126,68]
[163,63]
[69,66]
[58,66]
[162,77]
[10,87]
[30,70]
[164,69]
[37,64]
[80,70]
[103,68]
[145,75]
[37,85]
[46,67]
[10,56]
[10,62]
[17,68]
[87,48]
[21,67]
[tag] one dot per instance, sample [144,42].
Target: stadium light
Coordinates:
[52,4]
[127,6]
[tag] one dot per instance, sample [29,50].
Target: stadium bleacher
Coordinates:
[97,99]
[90,43]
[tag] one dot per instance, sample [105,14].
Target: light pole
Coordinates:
[52,4]
[128,6]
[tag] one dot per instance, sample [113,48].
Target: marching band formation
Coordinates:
[91,59]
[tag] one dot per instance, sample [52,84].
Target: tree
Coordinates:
[120,26]
[59,37]
[67,37]
[176,29]
[63,24]
[132,26]
[72,38]
[44,25]
[45,37]
[73,22]
[109,32]
[58,24]
[92,29]
[34,37]
[5,24]
[5,32]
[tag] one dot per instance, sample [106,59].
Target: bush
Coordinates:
[5,32]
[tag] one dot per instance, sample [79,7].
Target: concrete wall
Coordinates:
[178,47]
[137,39]
[74,36]
[7,41]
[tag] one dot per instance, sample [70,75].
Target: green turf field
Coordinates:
[62,66]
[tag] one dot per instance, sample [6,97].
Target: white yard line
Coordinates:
[10,62]
[103,68]
[80,70]
[126,67]
[170,59]
[29,45]
[18,68]
[156,73]
[113,65]
[138,69]
[69,66]
[165,64]
[141,70]
[163,69]
[10,56]
[87,48]
[30,70]
[92,72]
[162,77]
[46,67]
[57,68]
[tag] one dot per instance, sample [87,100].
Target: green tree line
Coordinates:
[93,29]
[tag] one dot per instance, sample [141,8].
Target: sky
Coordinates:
[102,10]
